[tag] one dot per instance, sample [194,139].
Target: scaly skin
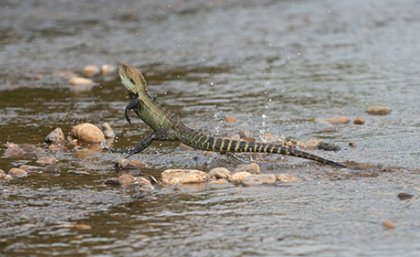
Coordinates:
[166,126]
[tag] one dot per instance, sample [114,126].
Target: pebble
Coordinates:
[238,177]
[328,146]
[107,69]
[46,160]
[286,178]
[91,70]
[88,132]
[230,119]
[259,179]
[311,144]
[337,120]
[30,168]
[405,196]
[359,121]
[378,110]
[219,173]
[220,181]
[57,148]
[126,180]
[56,136]
[52,168]
[79,81]
[180,176]
[2,175]
[124,164]
[13,150]
[108,131]
[143,184]
[389,224]
[251,168]
[18,173]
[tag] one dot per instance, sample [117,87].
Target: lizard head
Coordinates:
[132,79]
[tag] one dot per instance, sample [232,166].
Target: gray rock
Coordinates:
[56,136]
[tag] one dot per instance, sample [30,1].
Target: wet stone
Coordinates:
[2,175]
[79,81]
[142,184]
[337,120]
[57,148]
[404,196]
[108,69]
[230,119]
[239,176]
[219,173]
[328,146]
[389,224]
[56,136]
[251,168]
[46,160]
[112,182]
[13,151]
[91,70]
[220,181]
[378,110]
[52,168]
[108,131]
[126,180]
[125,164]
[286,178]
[359,121]
[180,176]
[259,179]
[88,132]
[30,168]
[18,173]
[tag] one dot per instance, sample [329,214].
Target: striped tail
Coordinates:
[201,141]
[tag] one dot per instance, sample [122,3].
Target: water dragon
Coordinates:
[168,127]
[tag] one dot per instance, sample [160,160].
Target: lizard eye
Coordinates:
[132,81]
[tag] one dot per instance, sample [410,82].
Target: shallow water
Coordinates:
[274,65]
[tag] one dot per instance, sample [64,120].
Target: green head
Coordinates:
[132,79]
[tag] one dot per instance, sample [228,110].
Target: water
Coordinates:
[274,65]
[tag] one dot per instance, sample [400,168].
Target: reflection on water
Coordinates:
[274,65]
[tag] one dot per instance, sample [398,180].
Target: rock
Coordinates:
[52,168]
[91,70]
[88,132]
[221,181]
[389,224]
[286,178]
[46,160]
[107,69]
[359,121]
[219,172]
[259,179]
[18,173]
[246,135]
[230,119]
[311,144]
[328,146]
[13,151]
[57,148]
[2,175]
[30,168]
[405,196]
[82,226]
[251,168]
[124,164]
[79,81]
[352,144]
[336,120]
[238,177]
[143,184]
[378,110]
[56,136]
[179,176]
[126,180]
[108,131]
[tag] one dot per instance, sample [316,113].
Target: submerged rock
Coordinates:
[378,110]
[259,179]
[56,136]
[108,131]
[46,160]
[88,132]
[336,120]
[359,121]
[13,151]
[389,224]
[125,164]
[180,176]
[126,180]
[219,173]
[251,168]
[239,176]
[231,119]
[18,173]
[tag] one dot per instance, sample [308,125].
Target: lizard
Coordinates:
[167,126]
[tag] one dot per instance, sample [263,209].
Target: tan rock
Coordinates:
[18,173]
[238,177]
[46,160]
[219,172]
[259,179]
[108,69]
[30,168]
[231,119]
[108,131]
[125,164]
[251,168]
[337,120]
[311,144]
[79,81]
[126,180]
[180,176]
[220,181]
[389,224]
[88,132]
[359,121]
[2,175]
[13,150]
[378,110]
[286,178]
[81,226]
[91,70]
[56,136]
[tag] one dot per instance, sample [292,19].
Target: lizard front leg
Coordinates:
[133,104]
